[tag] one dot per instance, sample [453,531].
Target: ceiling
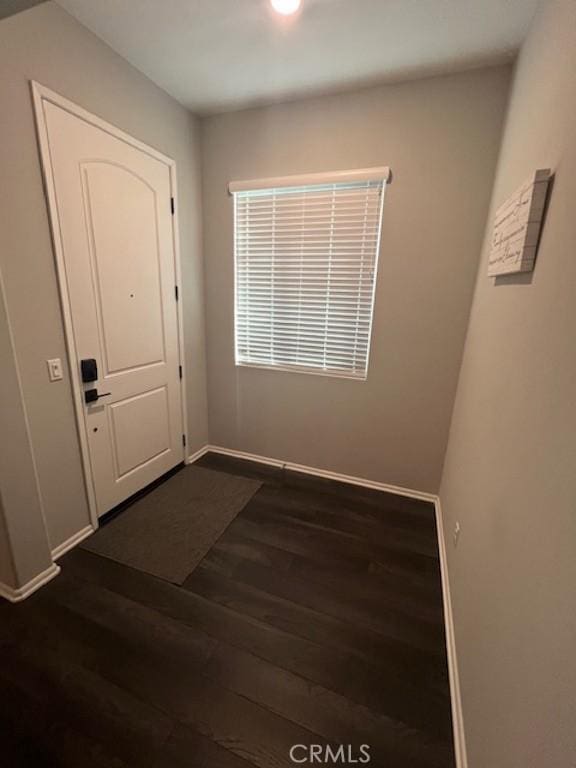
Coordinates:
[214,55]
[11,7]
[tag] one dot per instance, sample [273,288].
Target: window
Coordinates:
[306,254]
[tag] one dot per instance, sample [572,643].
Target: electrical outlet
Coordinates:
[456,534]
[55,369]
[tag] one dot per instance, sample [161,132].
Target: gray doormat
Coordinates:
[168,531]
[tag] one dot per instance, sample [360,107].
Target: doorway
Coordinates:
[111,203]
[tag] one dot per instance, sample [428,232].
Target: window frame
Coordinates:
[382,174]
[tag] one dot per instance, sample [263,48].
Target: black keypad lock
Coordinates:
[89,370]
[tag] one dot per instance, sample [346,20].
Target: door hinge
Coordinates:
[172,206]
[180,371]
[176,292]
[184,440]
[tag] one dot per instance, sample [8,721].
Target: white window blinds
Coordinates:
[306,259]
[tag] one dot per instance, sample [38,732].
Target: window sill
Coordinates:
[307,371]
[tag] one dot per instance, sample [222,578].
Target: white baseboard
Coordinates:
[16,595]
[61,549]
[198,455]
[455,696]
[325,473]
[245,455]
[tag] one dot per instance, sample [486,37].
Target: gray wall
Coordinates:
[510,473]
[441,137]
[24,550]
[47,45]
[7,571]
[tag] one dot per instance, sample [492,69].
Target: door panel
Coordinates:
[140,429]
[129,294]
[115,223]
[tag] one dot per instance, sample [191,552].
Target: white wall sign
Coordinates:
[517,227]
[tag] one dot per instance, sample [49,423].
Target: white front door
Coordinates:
[113,203]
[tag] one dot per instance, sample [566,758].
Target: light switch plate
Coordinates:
[55,369]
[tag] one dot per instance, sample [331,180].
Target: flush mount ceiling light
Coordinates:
[286,7]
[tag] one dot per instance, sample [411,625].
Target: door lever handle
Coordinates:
[92,396]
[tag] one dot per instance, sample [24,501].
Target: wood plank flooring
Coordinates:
[316,619]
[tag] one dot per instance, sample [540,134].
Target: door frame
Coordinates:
[40,95]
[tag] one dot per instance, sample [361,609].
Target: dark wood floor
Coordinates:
[315,620]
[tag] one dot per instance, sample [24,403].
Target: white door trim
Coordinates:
[41,94]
